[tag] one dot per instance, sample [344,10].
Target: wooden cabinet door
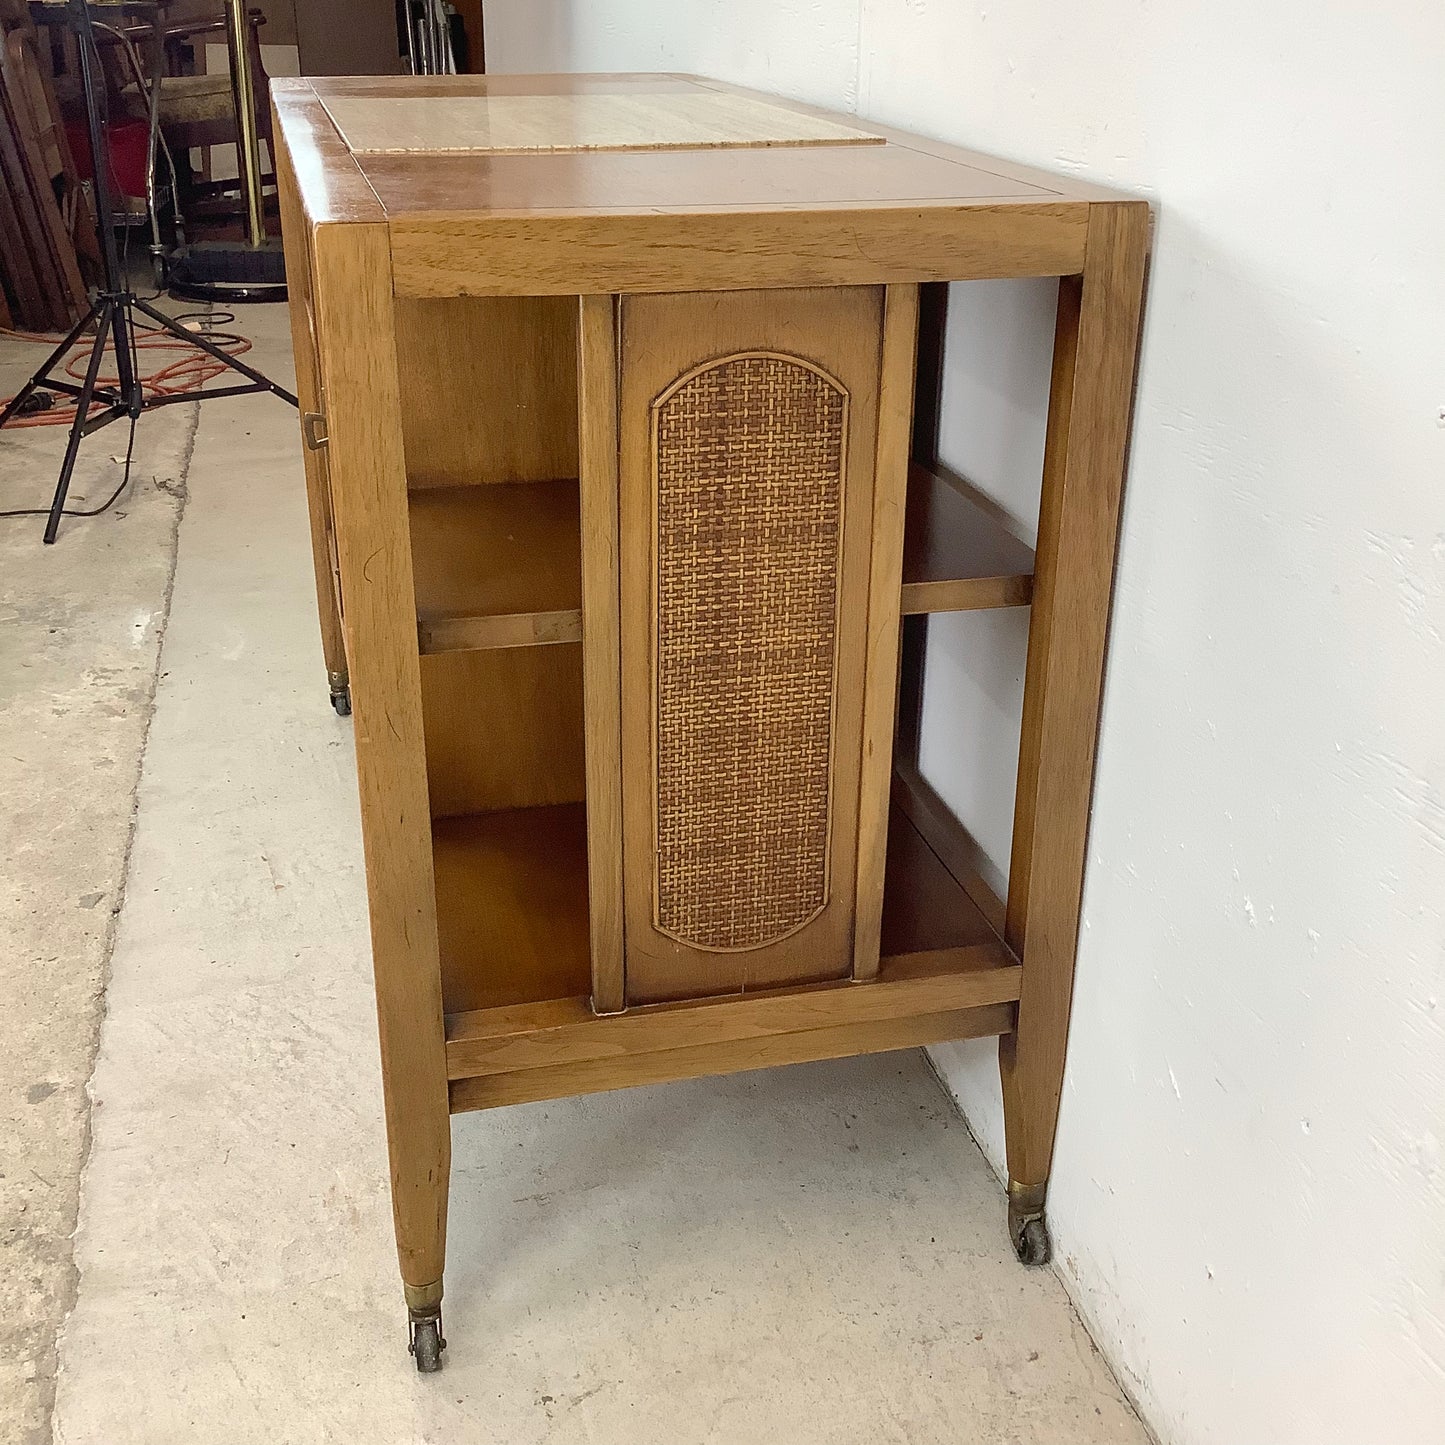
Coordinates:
[747,429]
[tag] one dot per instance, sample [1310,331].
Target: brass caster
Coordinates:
[427,1341]
[1031,1242]
[341,700]
[1026,1228]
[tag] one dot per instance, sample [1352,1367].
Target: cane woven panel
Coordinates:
[749,466]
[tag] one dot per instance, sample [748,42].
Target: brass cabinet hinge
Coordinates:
[313,430]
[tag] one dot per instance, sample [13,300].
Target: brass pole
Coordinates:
[248,151]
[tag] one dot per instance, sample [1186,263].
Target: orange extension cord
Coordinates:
[190,371]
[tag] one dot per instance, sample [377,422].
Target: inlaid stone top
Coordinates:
[506,124]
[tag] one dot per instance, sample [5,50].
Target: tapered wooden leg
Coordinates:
[369,494]
[1089,407]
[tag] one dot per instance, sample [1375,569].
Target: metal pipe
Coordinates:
[152,91]
[248,150]
[408,11]
[449,54]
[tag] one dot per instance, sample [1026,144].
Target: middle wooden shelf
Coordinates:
[496,564]
[958,555]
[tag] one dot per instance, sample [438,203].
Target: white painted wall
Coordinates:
[1249,1192]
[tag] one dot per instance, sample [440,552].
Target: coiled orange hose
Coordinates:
[189,372]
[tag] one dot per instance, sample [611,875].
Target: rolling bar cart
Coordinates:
[620,405]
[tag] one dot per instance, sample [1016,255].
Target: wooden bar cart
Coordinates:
[621,399]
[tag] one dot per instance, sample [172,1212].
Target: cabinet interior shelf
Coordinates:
[957,555]
[512,918]
[496,564]
[499,564]
[511,892]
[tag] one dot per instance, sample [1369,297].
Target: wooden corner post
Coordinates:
[352,284]
[1088,426]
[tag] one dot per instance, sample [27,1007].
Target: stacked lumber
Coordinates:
[43,208]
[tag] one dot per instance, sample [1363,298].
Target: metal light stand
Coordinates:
[111,312]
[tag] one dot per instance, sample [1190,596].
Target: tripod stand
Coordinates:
[112,312]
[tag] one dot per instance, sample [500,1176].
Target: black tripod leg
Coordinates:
[77,428]
[235,363]
[130,392]
[18,400]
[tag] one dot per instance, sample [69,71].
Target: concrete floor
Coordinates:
[80,631]
[806,1254]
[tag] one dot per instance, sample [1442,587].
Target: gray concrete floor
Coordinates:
[807,1254]
[80,631]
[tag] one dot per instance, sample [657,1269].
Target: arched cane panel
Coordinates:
[749,457]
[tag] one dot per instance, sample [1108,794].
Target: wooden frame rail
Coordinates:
[538,1051]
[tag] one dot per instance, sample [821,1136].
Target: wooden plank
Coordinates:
[511,901]
[1088,427]
[565,1031]
[488,389]
[354,316]
[966,594]
[728,1057]
[503,728]
[663,340]
[880,698]
[19,179]
[30,124]
[601,644]
[523,629]
[485,254]
[957,554]
[32,305]
[956,848]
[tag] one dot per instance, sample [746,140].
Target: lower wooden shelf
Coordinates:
[511,890]
[512,913]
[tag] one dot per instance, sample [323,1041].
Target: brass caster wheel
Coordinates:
[427,1343]
[1026,1228]
[341,701]
[1031,1241]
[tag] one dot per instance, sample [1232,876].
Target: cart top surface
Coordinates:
[375,148]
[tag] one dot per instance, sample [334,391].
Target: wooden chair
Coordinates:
[198,111]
